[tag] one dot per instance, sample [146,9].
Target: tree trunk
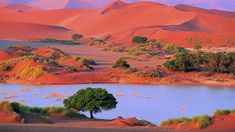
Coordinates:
[91,113]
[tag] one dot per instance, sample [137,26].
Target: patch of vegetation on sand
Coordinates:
[65,42]
[221,62]
[29,71]
[201,121]
[223,112]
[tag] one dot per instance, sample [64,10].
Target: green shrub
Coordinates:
[16,107]
[86,61]
[221,112]
[120,63]
[203,121]
[155,73]
[197,46]
[54,110]
[77,36]
[139,39]
[131,70]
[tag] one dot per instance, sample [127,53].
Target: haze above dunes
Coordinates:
[118,21]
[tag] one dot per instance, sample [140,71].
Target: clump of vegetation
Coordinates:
[221,62]
[94,100]
[197,46]
[83,61]
[54,110]
[29,72]
[173,48]
[131,58]
[139,39]
[131,70]
[66,42]
[38,111]
[120,63]
[202,121]
[95,41]
[156,73]
[5,107]
[222,112]
[72,69]
[77,36]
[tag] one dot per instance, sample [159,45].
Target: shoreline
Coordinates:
[121,83]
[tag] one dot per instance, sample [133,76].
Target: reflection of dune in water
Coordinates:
[34,94]
[10,96]
[135,95]
[25,89]
[56,95]
[119,94]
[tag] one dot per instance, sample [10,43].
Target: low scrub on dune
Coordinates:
[5,107]
[41,111]
[201,121]
[223,112]
[95,41]
[29,72]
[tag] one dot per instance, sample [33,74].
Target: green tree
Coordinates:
[94,100]
[139,39]
[77,36]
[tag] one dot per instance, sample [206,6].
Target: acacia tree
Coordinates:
[94,100]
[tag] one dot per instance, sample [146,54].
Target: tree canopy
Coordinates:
[94,100]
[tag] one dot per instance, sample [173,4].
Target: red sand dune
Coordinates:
[120,21]
[16,30]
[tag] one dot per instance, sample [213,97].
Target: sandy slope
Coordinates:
[20,30]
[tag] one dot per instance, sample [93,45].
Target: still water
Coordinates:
[154,103]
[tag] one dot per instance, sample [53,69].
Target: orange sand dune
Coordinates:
[17,30]
[120,21]
[187,8]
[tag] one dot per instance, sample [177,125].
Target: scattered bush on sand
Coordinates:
[77,36]
[95,41]
[120,63]
[139,39]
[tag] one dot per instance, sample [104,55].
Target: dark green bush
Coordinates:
[120,63]
[77,36]
[139,39]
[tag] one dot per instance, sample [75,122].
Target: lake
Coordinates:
[154,103]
